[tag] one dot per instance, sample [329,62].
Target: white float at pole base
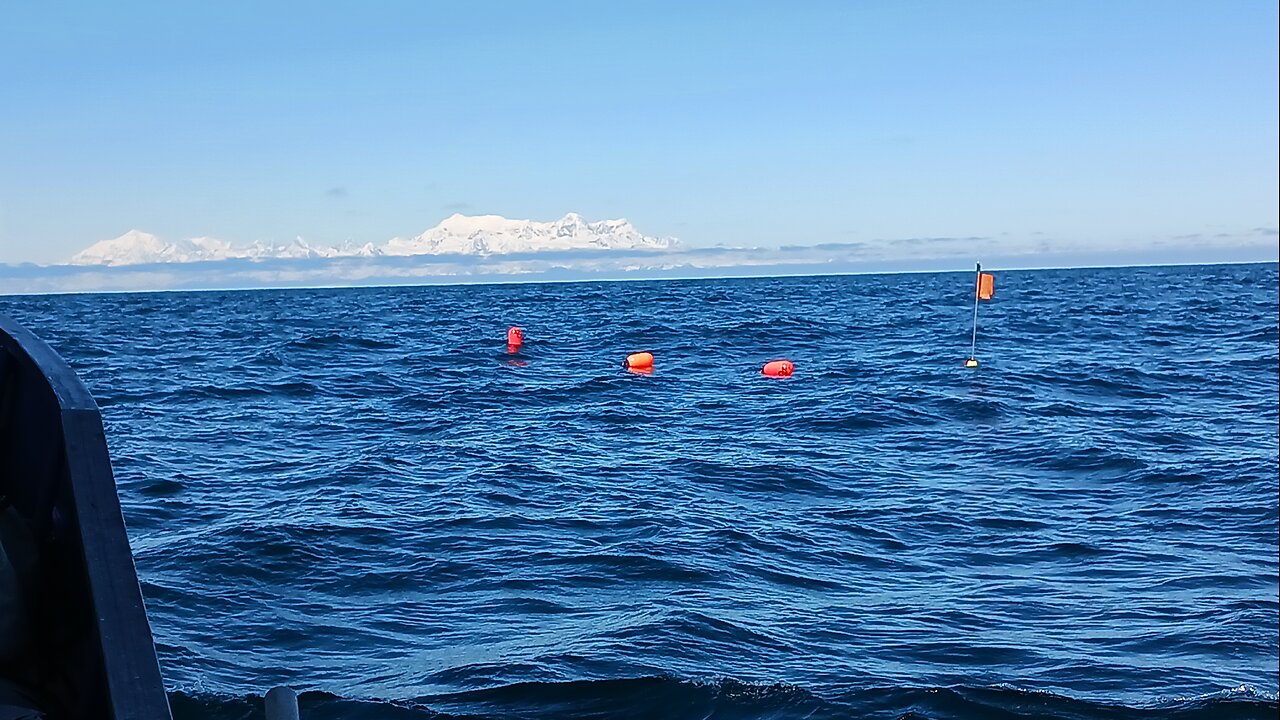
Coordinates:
[282,704]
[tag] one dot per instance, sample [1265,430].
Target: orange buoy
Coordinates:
[638,361]
[778,368]
[515,338]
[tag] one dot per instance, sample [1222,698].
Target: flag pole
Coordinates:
[972,362]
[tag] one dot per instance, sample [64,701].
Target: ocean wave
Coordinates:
[667,697]
[363,493]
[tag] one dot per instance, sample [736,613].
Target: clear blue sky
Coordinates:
[739,123]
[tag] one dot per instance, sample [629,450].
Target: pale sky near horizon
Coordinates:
[767,124]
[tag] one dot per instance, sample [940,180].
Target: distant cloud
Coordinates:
[918,241]
[1265,231]
[1260,239]
[336,192]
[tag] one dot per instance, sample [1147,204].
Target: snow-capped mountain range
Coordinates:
[136,248]
[458,234]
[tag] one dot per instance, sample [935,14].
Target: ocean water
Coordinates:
[360,494]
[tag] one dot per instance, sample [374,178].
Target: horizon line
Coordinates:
[553,281]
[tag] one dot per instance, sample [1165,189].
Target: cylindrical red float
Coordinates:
[778,368]
[638,361]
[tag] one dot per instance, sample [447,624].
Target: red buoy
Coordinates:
[638,361]
[778,368]
[515,338]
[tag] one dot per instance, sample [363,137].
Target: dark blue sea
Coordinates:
[360,494]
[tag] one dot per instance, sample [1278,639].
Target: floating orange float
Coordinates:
[638,361]
[515,338]
[778,368]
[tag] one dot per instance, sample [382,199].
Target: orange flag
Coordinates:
[986,286]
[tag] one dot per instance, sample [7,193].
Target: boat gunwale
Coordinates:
[134,686]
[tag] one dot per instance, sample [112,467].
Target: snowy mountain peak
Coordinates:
[131,248]
[496,235]
[136,235]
